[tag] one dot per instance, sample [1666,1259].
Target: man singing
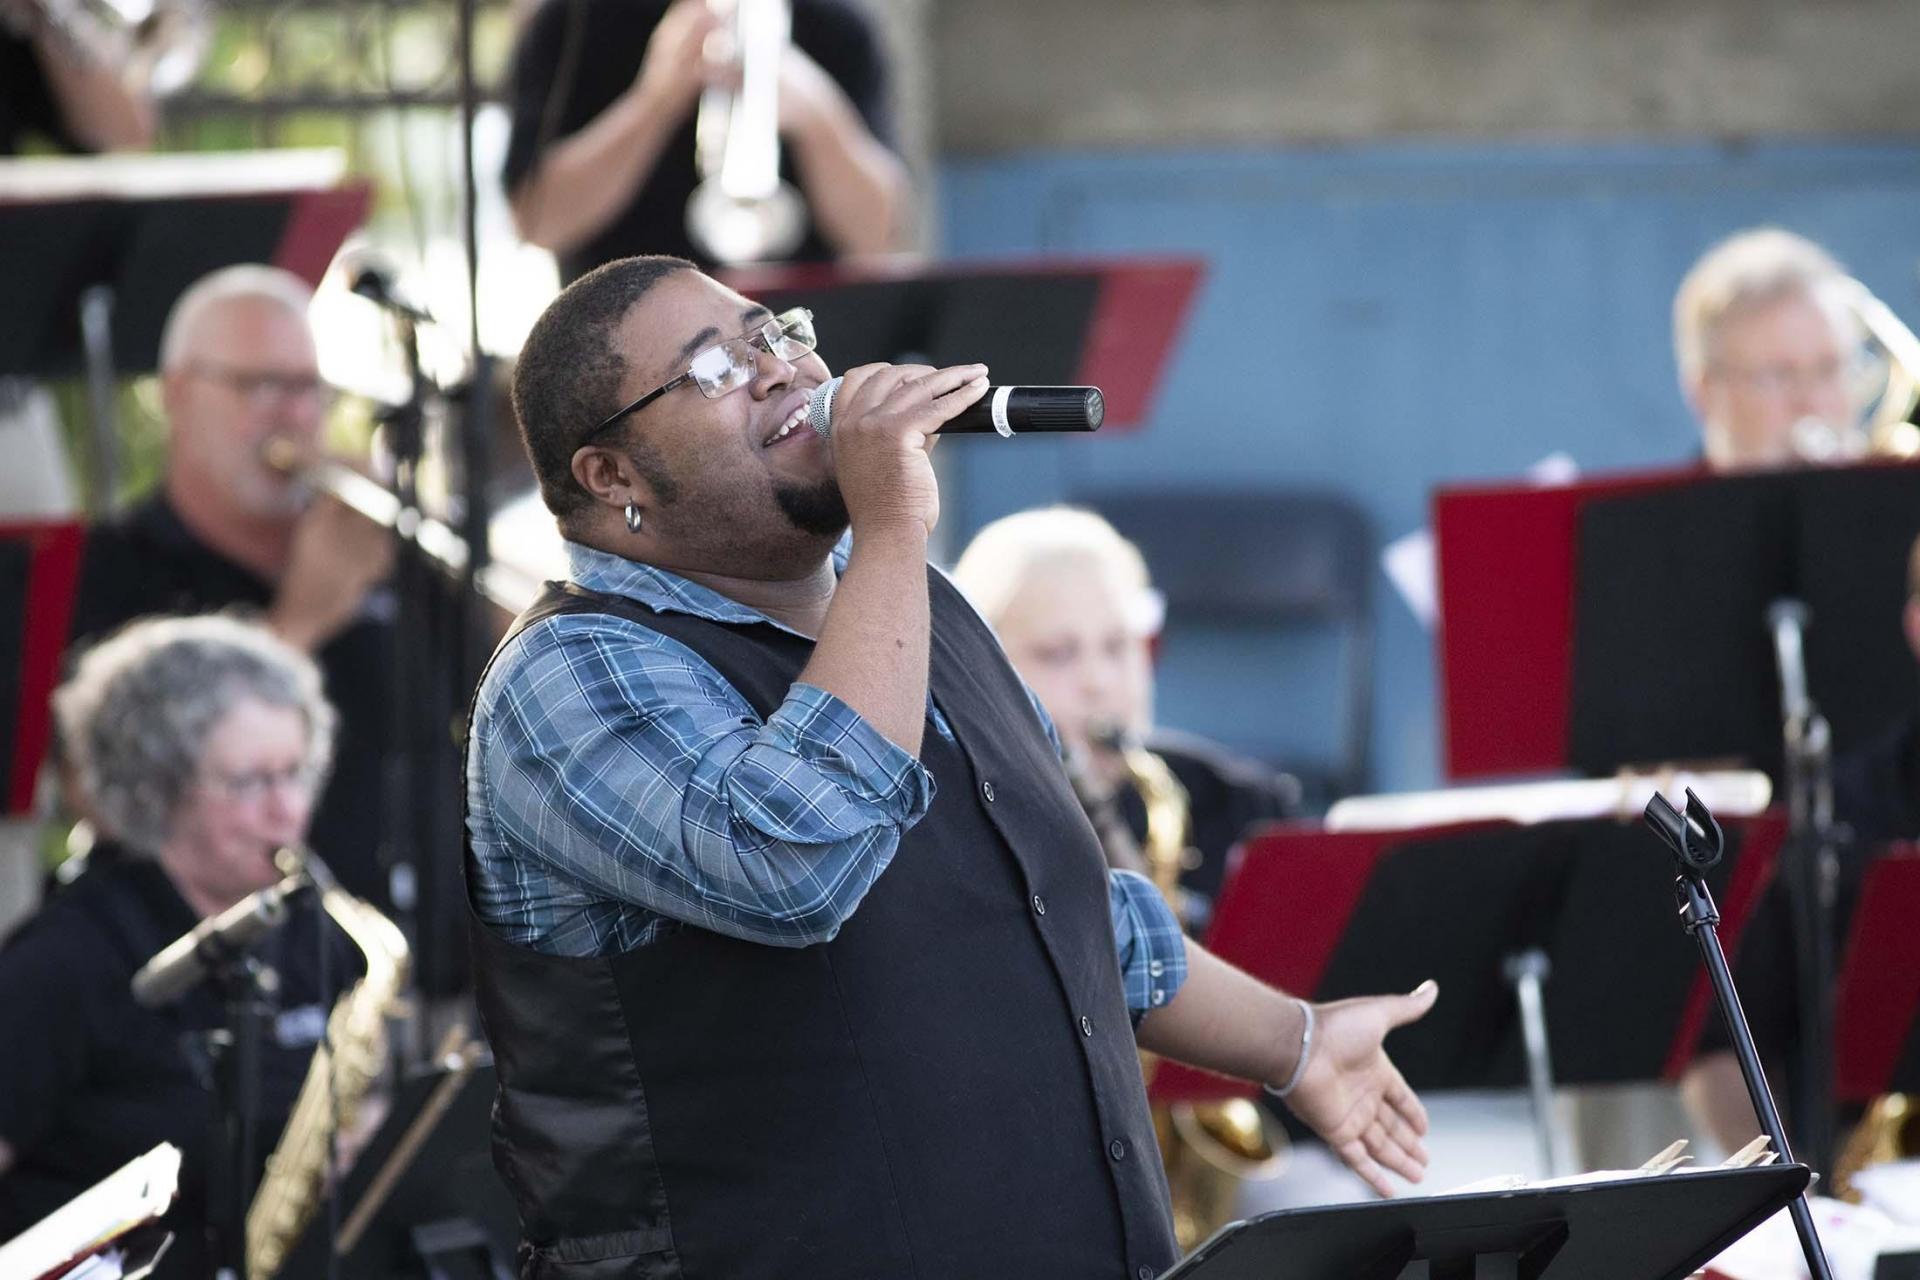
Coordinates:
[796,953]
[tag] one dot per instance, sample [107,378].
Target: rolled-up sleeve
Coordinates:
[1147,942]
[622,760]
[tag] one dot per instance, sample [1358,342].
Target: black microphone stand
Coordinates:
[1810,873]
[405,428]
[250,991]
[1697,842]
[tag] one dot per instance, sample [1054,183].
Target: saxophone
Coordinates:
[344,1069]
[1209,1148]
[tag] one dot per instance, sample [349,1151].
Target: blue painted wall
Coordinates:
[1380,319]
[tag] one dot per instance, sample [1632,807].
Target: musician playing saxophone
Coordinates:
[601,160]
[1072,603]
[196,746]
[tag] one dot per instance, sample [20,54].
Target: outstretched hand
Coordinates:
[1353,1096]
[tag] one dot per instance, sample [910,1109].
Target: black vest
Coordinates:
[948,1090]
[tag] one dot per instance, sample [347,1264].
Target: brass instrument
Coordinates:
[1890,430]
[1889,1131]
[742,211]
[1209,1148]
[159,43]
[1888,390]
[502,585]
[344,1070]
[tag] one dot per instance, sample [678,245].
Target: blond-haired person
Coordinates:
[1076,611]
[1767,349]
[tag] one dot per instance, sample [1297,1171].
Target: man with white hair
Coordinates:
[1072,603]
[239,371]
[1765,345]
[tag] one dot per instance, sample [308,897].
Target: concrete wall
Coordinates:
[1012,74]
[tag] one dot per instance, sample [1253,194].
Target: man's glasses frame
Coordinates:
[728,366]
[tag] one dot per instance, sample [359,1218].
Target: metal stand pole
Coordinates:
[1527,972]
[96,336]
[1697,842]
[1810,873]
[235,1051]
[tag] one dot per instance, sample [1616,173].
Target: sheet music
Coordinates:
[140,1192]
[1731,792]
[146,177]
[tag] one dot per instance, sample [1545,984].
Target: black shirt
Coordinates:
[1227,795]
[27,105]
[89,1079]
[1876,799]
[576,57]
[147,561]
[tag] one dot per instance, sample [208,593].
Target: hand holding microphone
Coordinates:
[1004,411]
[882,432]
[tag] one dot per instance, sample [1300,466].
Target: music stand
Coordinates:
[1328,915]
[97,249]
[1106,322]
[424,1193]
[39,572]
[1553,600]
[1655,1228]
[1877,1032]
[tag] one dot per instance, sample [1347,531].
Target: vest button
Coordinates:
[1117,1149]
[1086,1025]
[1039,905]
[986,790]
[1145,1273]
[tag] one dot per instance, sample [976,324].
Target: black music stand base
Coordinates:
[1642,1228]
[1696,841]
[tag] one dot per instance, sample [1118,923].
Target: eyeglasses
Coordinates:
[261,388]
[253,785]
[730,365]
[1782,378]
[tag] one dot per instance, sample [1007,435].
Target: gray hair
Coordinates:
[135,716]
[248,280]
[1745,271]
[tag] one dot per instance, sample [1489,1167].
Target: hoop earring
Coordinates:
[633,517]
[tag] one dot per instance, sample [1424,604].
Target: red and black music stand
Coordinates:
[1551,935]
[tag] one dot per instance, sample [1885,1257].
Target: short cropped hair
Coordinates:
[135,716]
[248,280]
[1005,554]
[570,370]
[1745,271]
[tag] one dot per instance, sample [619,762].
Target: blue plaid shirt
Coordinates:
[618,788]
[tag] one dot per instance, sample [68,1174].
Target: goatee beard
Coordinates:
[817,509]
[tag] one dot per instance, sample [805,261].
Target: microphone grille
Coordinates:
[820,407]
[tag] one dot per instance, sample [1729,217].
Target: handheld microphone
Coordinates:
[1003,410]
[185,961]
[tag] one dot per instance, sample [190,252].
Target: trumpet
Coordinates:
[445,549]
[742,211]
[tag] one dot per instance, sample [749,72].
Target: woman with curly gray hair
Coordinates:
[196,746]
[199,742]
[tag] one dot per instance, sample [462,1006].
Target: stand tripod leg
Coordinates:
[1527,971]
